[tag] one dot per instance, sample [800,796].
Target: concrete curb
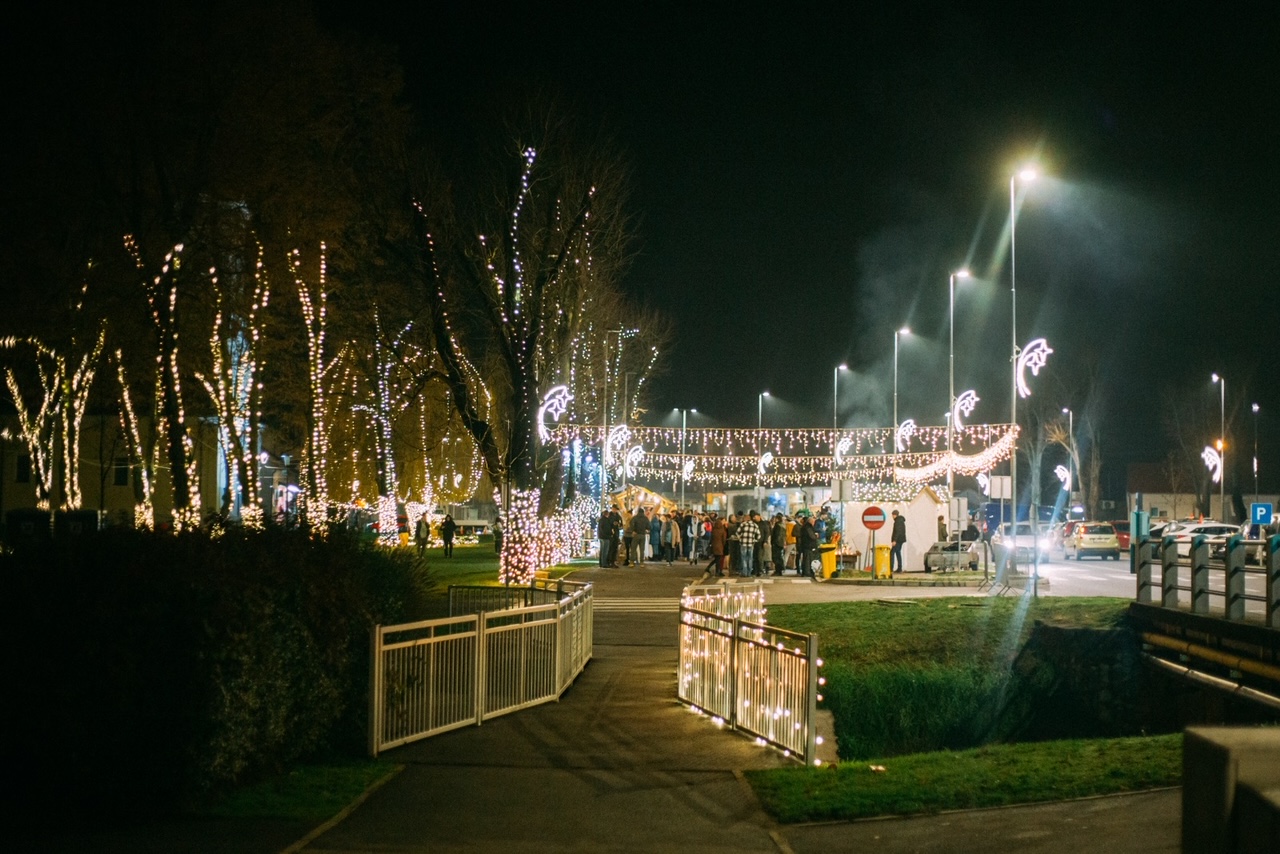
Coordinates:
[337,819]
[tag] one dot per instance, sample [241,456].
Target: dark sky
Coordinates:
[805,179]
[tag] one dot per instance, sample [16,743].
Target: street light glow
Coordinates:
[962,274]
[904,331]
[1028,173]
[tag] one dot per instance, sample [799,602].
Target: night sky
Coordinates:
[805,179]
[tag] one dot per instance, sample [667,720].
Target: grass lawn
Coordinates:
[307,793]
[938,632]
[996,775]
[470,565]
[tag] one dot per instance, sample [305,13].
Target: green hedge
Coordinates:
[152,669]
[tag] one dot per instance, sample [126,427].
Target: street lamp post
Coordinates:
[1072,468]
[1222,444]
[760,433]
[1255,454]
[684,477]
[1026,175]
[951,372]
[835,401]
[604,409]
[897,332]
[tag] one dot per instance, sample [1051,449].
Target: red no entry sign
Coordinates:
[873,518]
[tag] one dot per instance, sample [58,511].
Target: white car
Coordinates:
[1023,540]
[1185,532]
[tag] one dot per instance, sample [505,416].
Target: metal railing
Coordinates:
[742,600]
[433,676]
[1160,572]
[473,599]
[758,679]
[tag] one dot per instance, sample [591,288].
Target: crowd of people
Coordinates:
[744,543]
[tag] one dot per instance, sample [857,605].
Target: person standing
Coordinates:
[497,534]
[447,529]
[898,539]
[718,542]
[655,535]
[761,554]
[777,542]
[422,533]
[628,536]
[615,519]
[639,535]
[806,546]
[789,546]
[604,527]
[942,529]
[748,537]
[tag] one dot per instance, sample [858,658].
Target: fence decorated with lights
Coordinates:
[760,680]
[433,676]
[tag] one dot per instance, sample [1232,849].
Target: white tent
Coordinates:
[922,514]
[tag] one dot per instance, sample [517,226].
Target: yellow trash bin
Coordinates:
[827,553]
[882,568]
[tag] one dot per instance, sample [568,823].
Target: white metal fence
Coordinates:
[436,675]
[756,678]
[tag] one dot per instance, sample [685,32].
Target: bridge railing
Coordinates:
[1208,585]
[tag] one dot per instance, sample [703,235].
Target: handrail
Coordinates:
[1163,554]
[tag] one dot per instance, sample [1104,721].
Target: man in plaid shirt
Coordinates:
[748,536]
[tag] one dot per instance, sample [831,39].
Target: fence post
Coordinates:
[375,690]
[482,659]
[1146,556]
[1273,582]
[1200,574]
[811,712]
[1169,573]
[1235,577]
[733,672]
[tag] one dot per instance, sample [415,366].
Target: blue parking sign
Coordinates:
[1260,514]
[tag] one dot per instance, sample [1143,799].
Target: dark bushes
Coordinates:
[146,669]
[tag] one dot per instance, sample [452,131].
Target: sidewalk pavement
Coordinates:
[619,765]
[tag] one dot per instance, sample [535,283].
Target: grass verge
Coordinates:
[991,776]
[469,565]
[307,793]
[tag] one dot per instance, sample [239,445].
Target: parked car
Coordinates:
[1094,538]
[952,555]
[1252,554]
[1217,532]
[1122,533]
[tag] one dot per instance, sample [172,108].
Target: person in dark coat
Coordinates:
[806,546]
[719,541]
[777,541]
[447,530]
[898,539]
[616,518]
[604,531]
[639,535]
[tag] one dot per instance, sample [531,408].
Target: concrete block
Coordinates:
[1216,761]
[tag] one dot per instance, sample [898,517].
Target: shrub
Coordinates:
[151,668]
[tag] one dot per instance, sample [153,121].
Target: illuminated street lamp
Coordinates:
[1071,438]
[760,428]
[835,401]
[1222,443]
[951,367]
[903,331]
[1255,453]
[1026,175]
[684,473]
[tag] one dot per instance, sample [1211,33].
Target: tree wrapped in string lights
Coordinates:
[523,289]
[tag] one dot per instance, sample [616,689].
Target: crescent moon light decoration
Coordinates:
[1033,356]
[902,437]
[554,403]
[965,404]
[842,447]
[1213,460]
[766,460]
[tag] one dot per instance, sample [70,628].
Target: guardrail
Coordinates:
[1160,571]
[433,676]
[756,678]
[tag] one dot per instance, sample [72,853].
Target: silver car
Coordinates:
[952,555]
